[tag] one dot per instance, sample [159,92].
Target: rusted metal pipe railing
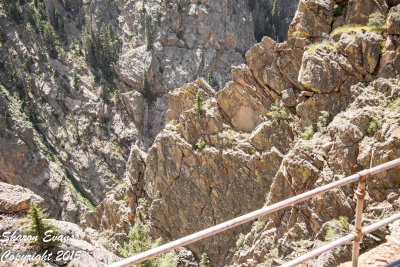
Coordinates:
[252,215]
[360,193]
[341,241]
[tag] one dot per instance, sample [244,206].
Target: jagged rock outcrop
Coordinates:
[312,18]
[393,21]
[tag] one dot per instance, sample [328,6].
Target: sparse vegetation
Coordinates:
[323,121]
[278,113]
[374,126]
[198,103]
[140,241]
[50,40]
[308,133]
[148,95]
[240,240]
[337,10]
[200,144]
[272,254]
[204,261]
[377,22]
[334,47]
[259,225]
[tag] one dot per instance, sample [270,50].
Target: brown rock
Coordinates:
[312,19]
[14,198]
[358,11]
[323,71]
[362,50]
[262,60]
[244,100]
[290,58]
[393,21]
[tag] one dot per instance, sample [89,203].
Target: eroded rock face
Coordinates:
[323,71]
[195,186]
[348,144]
[312,18]
[358,12]
[393,21]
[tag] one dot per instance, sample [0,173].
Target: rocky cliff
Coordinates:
[200,120]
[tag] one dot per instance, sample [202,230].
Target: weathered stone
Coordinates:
[389,64]
[290,58]
[183,98]
[362,50]
[14,198]
[393,21]
[262,60]
[359,11]
[270,134]
[312,19]
[289,97]
[245,104]
[323,71]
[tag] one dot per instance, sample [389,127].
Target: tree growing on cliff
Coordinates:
[140,241]
[38,228]
[198,103]
[50,40]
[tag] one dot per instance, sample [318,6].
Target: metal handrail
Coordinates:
[362,175]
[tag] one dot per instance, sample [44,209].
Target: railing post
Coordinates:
[360,193]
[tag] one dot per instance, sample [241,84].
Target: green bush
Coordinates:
[337,10]
[374,125]
[308,133]
[200,144]
[377,22]
[323,121]
[204,261]
[140,241]
[278,113]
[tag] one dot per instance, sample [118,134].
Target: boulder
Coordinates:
[324,70]
[362,50]
[262,60]
[272,134]
[290,58]
[15,198]
[389,64]
[183,98]
[244,100]
[393,21]
[359,11]
[312,18]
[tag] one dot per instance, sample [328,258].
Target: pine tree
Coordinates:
[149,41]
[58,22]
[198,103]
[140,241]
[75,81]
[50,40]
[143,7]
[38,227]
[89,45]
[14,13]
[276,20]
